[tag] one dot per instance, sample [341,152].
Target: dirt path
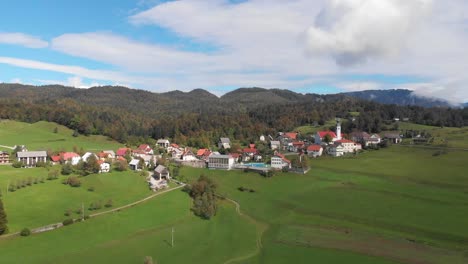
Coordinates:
[58,225]
[8,147]
[261,228]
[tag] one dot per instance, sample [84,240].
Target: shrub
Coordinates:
[67,212]
[241,189]
[86,217]
[11,188]
[52,175]
[67,221]
[91,189]
[73,181]
[66,169]
[109,203]
[17,164]
[25,232]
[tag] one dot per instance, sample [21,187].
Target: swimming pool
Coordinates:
[257,165]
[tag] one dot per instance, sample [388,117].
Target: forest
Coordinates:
[198,117]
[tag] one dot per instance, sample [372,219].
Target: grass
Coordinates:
[310,130]
[145,230]
[41,136]
[45,203]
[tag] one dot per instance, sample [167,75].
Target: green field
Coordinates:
[41,136]
[399,204]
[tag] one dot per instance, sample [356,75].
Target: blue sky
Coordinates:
[219,45]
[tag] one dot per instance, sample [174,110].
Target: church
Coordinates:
[320,135]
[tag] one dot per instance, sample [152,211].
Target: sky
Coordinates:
[320,46]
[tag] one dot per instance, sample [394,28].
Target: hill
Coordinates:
[398,97]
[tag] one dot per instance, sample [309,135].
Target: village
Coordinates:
[287,151]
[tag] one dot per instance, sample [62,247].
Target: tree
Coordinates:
[56,130]
[91,165]
[121,165]
[75,133]
[3,219]
[203,192]
[327,138]
[67,169]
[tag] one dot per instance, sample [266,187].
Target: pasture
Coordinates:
[42,136]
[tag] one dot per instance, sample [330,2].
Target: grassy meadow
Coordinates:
[400,204]
[41,136]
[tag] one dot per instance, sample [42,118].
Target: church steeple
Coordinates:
[338,128]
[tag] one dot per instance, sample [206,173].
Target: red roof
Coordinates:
[252,146]
[322,134]
[314,148]
[282,157]
[174,145]
[122,151]
[291,135]
[250,150]
[55,158]
[298,143]
[144,147]
[200,152]
[68,155]
[344,141]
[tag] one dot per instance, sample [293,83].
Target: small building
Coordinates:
[296,146]
[275,145]
[87,155]
[349,146]
[134,164]
[314,151]
[146,149]
[188,155]
[336,150]
[110,154]
[203,154]
[104,167]
[4,157]
[224,143]
[31,158]
[163,143]
[393,137]
[161,173]
[374,139]
[225,162]
[121,152]
[279,161]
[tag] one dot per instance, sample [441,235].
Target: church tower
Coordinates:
[338,129]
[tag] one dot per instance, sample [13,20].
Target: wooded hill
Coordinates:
[199,117]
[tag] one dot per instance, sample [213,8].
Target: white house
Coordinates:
[314,151]
[278,161]
[336,150]
[104,167]
[393,137]
[87,155]
[31,158]
[224,143]
[163,143]
[275,145]
[373,139]
[225,162]
[188,155]
[161,173]
[134,164]
[348,145]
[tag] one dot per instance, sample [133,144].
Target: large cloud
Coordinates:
[354,31]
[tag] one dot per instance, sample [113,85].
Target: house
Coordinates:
[188,155]
[349,146]
[172,147]
[163,143]
[146,149]
[122,152]
[134,164]
[203,154]
[106,155]
[275,145]
[161,172]
[225,162]
[110,154]
[320,135]
[249,154]
[359,136]
[224,143]
[87,155]
[393,137]
[336,150]
[104,167]
[70,157]
[296,146]
[177,153]
[278,161]
[314,151]
[31,158]
[55,159]
[4,157]
[374,139]
[291,135]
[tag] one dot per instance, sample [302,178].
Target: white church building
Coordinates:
[320,135]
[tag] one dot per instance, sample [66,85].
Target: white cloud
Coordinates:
[354,31]
[23,40]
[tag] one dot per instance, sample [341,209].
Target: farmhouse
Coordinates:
[203,154]
[4,157]
[87,155]
[393,137]
[275,145]
[348,145]
[163,143]
[161,172]
[336,150]
[121,152]
[278,161]
[31,158]
[314,151]
[104,167]
[146,149]
[224,143]
[188,155]
[225,162]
